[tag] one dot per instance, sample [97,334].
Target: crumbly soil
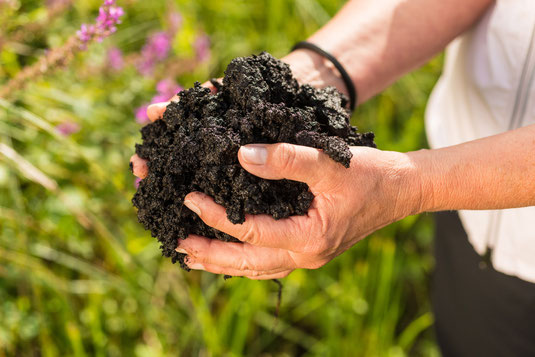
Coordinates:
[194,148]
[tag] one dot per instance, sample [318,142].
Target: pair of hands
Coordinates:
[379,188]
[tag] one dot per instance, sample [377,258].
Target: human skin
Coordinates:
[380,187]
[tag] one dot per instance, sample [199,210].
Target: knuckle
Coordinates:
[255,274]
[214,220]
[319,244]
[203,253]
[321,218]
[285,157]
[245,264]
[251,234]
[316,264]
[219,221]
[319,247]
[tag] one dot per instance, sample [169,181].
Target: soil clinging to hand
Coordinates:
[194,148]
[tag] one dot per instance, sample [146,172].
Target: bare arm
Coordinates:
[377,41]
[490,173]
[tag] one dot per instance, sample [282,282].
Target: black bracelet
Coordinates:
[345,76]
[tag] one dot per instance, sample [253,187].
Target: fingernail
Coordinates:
[158,105]
[196,266]
[254,154]
[133,166]
[181,250]
[192,206]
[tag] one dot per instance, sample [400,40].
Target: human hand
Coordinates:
[380,187]
[308,67]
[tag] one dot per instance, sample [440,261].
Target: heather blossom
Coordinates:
[141,114]
[175,21]
[57,3]
[108,17]
[55,58]
[166,89]
[68,128]
[158,45]
[156,49]
[115,59]
[202,48]
[10,3]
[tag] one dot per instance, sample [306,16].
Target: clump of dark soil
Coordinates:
[194,148]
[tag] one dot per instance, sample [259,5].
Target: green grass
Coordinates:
[80,277]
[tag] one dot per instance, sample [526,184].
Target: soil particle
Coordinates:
[194,148]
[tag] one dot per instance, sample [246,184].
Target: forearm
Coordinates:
[377,41]
[491,173]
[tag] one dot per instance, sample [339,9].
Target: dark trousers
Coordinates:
[478,311]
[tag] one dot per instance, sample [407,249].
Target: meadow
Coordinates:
[79,276]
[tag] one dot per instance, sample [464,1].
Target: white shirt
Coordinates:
[487,87]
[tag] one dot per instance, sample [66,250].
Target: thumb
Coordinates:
[286,161]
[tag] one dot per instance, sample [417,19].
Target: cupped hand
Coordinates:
[380,187]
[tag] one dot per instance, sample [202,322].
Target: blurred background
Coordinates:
[79,276]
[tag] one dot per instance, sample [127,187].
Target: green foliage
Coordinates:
[79,276]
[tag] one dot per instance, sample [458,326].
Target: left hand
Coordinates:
[380,187]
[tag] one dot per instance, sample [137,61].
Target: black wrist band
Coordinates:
[345,76]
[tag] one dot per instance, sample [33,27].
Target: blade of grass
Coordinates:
[410,334]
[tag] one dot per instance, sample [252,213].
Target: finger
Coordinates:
[209,85]
[139,166]
[259,230]
[242,257]
[293,162]
[280,275]
[155,111]
[216,269]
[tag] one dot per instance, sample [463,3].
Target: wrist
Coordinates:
[424,180]
[406,185]
[310,68]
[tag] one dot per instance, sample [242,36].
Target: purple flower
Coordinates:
[10,3]
[165,85]
[158,98]
[161,44]
[67,128]
[85,34]
[156,49]
[202,48]
[166,88]
[141,114]
[115,59]
[54,3]
[108,16]
[136,182]
[175,21]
